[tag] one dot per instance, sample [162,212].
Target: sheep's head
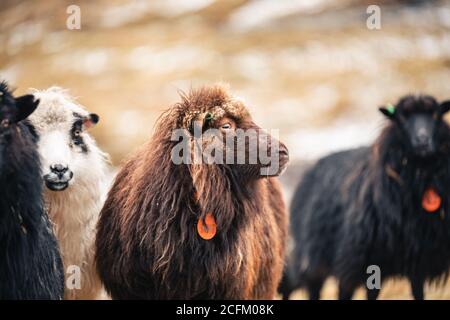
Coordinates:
[64,143]
[222,133]
[419,120]
[13,110]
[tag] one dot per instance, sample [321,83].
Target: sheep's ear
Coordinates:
[90,121]
[25,106]
[388,111]
[445,106]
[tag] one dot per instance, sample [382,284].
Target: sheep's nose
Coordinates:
[422,133]
[422,139]
[59,169]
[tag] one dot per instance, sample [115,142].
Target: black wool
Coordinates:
[363,207]
[30,262]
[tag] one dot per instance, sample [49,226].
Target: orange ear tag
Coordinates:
[208,229]
[431,201]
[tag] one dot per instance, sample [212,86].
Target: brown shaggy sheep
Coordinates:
[149,241]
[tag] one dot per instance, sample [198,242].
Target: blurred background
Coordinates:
[310,68]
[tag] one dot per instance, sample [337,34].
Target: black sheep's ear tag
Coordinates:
[445,106]
[25,106]
[388,111]
[90,121]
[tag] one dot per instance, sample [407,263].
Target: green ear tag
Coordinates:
[390,108]
[209,117]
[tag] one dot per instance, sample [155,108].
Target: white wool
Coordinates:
[75,210]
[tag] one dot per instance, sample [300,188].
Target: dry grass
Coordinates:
[398,289]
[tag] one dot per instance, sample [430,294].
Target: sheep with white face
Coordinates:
[77,176]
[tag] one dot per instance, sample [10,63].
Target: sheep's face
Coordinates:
[239,144]
[65,151]
[419,120]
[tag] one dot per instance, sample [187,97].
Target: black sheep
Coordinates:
[30,263]
[385,205]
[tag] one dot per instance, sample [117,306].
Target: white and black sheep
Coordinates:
[76,175]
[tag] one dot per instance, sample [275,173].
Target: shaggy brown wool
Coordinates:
[147,243]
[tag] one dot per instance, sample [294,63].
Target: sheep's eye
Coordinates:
[76,137]
[226,126]
[5,123]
